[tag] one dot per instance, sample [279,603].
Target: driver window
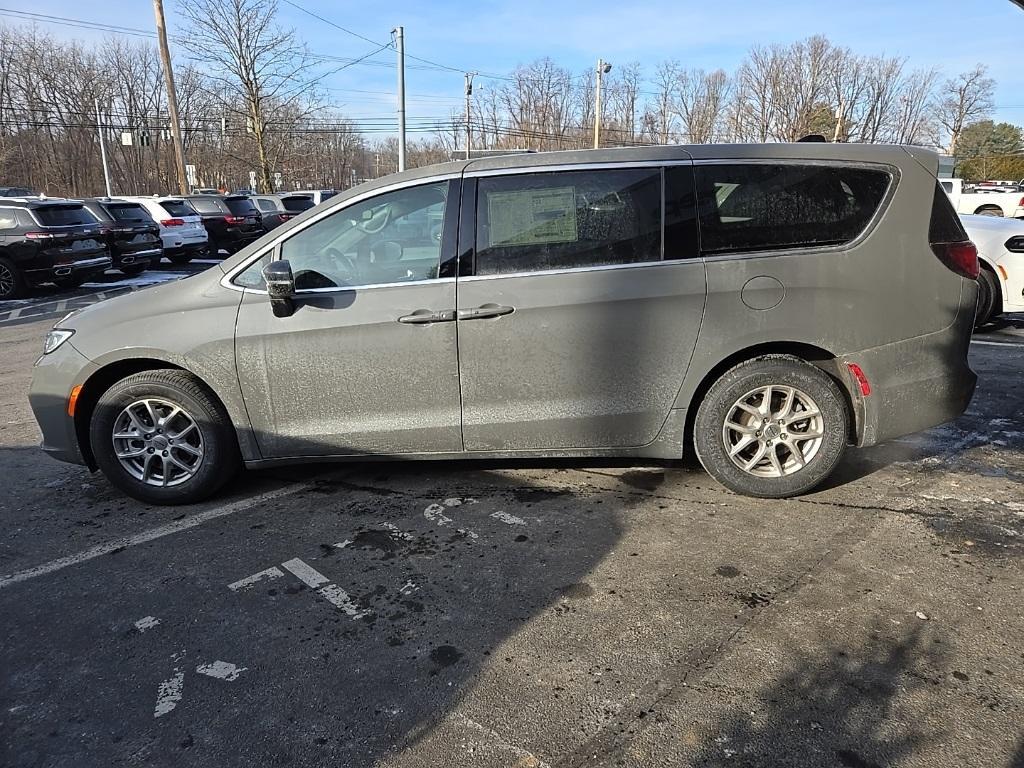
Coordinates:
[390,238]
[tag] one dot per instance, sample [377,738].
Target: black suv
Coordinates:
[231,221]
[130,233]
[48,241]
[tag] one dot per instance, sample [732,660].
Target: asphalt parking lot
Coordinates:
[481,614]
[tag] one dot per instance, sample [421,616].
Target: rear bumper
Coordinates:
[916,383]
[81,268]
[136,258]
[192,249]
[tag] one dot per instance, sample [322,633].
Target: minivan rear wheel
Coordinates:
[772,427]
[161,437]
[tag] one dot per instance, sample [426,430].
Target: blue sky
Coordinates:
[494,37]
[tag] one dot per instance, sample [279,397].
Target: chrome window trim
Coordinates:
[229,276]
[564,167]
[572,270]
[341,289]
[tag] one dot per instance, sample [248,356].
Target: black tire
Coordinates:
[220,460]
[990,211]
[990,298]
[12,282]
[133,270]
[180,258]
[775,370]
[986,299]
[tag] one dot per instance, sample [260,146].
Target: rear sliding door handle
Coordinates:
[426,316]
[484,311]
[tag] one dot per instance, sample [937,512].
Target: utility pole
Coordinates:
[399,33]
[469,130]
[103,148]
[172,95]
[603,68]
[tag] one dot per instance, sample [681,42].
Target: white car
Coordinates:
[181,227]
[318,195]
[989,202]
[1001,256]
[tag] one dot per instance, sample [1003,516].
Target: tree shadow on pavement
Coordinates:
[839,709]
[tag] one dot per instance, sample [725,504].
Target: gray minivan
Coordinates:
[766,304]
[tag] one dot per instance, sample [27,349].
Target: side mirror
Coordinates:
[280,287]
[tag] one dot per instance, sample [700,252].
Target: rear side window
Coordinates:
[8,219]
[241,206]
[127,212]
[947,186]
[297,204]
[178,208]
[945,226]
[760,207]
[327,195]
[64,215]
[567,220]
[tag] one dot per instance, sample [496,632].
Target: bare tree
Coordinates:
[247,52]
[964,99]
[699,101]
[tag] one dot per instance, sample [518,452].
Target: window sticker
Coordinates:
[532,216]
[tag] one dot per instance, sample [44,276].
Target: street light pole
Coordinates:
[603,68]
[399,33]
[469,92]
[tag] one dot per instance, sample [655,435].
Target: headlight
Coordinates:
[55,338]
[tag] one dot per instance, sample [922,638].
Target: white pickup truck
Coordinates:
[1008,204]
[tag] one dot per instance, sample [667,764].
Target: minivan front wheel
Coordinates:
[161,437]
[771,427]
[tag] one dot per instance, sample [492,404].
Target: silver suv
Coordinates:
[766,304]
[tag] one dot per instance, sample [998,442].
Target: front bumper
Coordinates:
[916,383]
[53,378]
[81,268]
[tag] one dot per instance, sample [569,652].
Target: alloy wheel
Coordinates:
[773,431]
[158,442]
[7,281]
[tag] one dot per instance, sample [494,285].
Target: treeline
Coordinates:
[254,115]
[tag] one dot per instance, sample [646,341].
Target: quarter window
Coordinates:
[567,220]
[390,238]
[8,219]
[759,207]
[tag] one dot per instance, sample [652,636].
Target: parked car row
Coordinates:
[67,242]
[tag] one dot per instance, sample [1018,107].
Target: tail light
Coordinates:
[173,222]
[960,257]
[234,219]
[42,235]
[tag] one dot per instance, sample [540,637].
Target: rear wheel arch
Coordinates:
[100,381]
[988,210]
[816,356]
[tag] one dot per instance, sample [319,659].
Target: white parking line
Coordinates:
[153,533]
[997,343]
[248,581]
[308,575]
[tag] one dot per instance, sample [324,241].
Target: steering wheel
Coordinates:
[374,230]
[346,267]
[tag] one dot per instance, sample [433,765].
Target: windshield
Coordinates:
[241,206]
[129,212]
[63,215]
[178,208]
[297,203]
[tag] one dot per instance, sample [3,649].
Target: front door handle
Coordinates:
[425,316]
[484,311]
